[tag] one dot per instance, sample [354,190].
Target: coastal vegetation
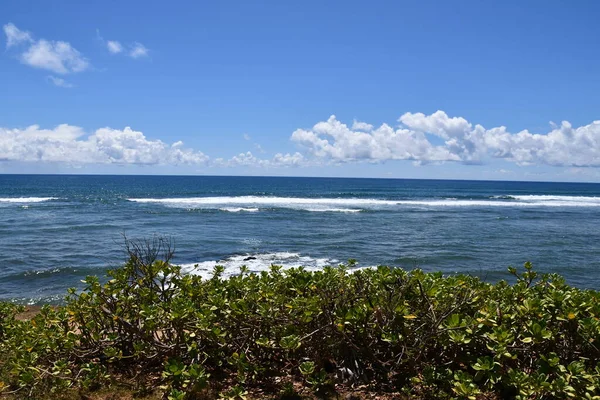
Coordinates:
[152,331]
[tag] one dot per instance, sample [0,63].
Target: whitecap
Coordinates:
[257,263]
[354,205]
[498,203]
[25,199]
[238,209]
[264,200]
[343,210]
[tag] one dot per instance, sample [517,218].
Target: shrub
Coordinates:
[424,334]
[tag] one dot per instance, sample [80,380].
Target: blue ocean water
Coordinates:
[55,230]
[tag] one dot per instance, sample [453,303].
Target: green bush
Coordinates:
[423,334]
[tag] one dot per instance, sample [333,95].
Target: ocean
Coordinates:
[56,229]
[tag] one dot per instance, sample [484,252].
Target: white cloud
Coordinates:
[59,82]
[327,142]
[562,146]
[437,123]
[56,56]
[247,137]
[289,160]
[68,144]
[361,126]
[245,159]
[71,145]
[248,159]
[114,47]
[135,50]
[333,141]
[138,50]
[15,36]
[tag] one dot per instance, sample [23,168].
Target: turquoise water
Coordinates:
[55,230]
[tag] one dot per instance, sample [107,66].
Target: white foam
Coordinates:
[513,201]
[265,201]
[353,205]
[497,203]
[25,199]
[554,198]
[257,263]
[253,203]
[343,210]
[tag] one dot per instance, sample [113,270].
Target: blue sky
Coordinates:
[423,89]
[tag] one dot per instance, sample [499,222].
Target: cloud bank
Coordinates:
[68,144]
[421,138]
[248,159]
[413,139]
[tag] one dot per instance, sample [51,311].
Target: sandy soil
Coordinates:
[30,312]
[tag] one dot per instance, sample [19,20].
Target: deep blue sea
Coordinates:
[55,230]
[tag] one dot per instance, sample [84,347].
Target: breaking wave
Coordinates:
[25,199]
[353,205]
[238,209]
[257,263]
[256,203]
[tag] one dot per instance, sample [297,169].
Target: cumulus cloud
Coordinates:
[563,145]
[56,56]
[361,126]
[289,160]
[60,82]
[245,159]
[335,141]
[138,50]
[433,138]
[69,144]
[248,159]
[114,47]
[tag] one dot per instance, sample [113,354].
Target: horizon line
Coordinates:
[297,177]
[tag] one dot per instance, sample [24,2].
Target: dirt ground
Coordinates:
[30,312]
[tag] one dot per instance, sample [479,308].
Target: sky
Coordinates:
[394,89]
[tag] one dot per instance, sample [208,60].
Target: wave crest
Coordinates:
[25,199]
[257,263]
[353,205]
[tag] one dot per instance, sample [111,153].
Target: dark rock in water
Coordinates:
[249,258]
